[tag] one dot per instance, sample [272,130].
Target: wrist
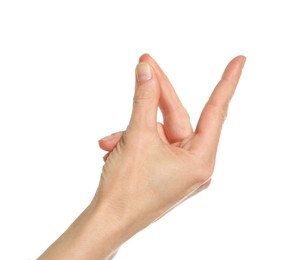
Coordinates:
[106,230]
[120,216]
[112,222]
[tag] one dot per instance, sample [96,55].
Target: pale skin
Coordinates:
[150,167]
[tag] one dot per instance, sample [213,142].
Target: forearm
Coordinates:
[95,234]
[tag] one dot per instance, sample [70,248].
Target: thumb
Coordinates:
[146,98]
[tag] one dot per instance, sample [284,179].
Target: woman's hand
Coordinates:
[151,167]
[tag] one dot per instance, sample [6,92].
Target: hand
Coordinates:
[151,167]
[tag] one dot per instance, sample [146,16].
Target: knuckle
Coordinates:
[143,95]
[221,110]
[224,112]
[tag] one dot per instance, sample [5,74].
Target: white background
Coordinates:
[67,79]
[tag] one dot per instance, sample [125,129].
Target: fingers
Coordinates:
[161,133]
[108,143]
[146,98]
[106,156]
[215,111]
[176,120]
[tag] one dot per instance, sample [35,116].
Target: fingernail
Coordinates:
[143,72]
